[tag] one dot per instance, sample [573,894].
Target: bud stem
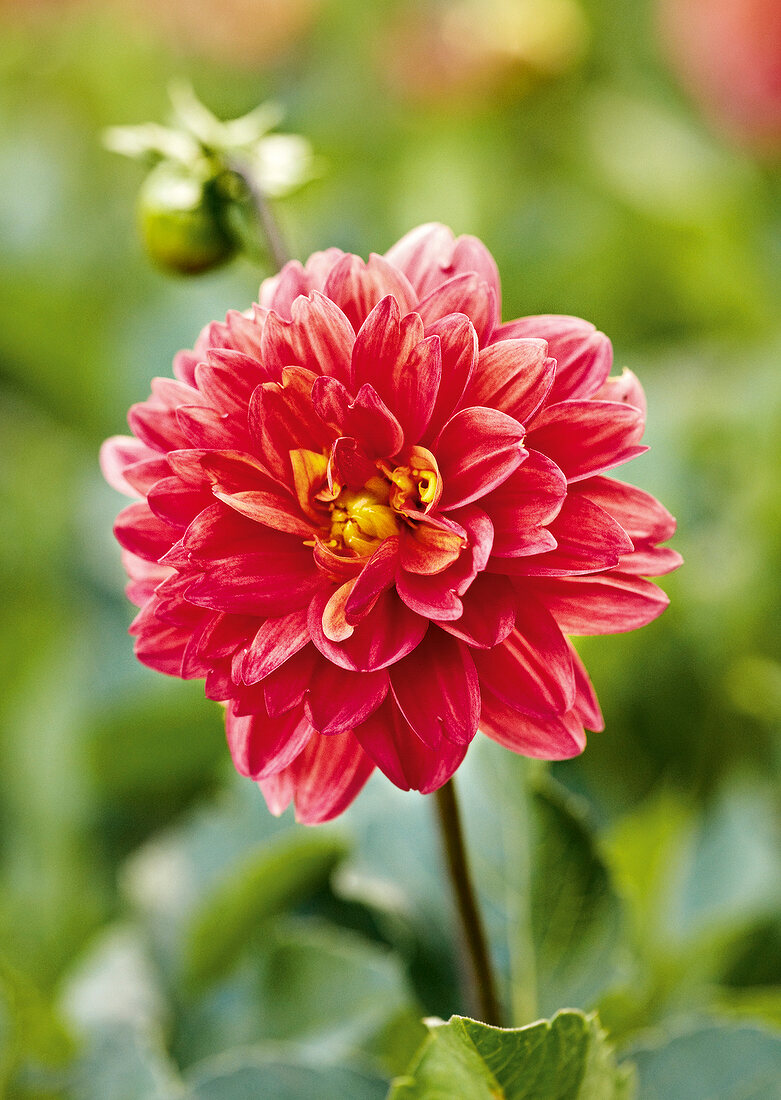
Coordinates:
[472,930]
[277,248]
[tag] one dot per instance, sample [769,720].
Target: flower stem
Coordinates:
[275,242]
[472,930]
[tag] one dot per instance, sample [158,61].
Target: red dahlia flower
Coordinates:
[369,513]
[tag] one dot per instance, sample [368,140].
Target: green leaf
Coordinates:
[712,1062]
[566,1058]
[272,880]
[122,1063]
[266,1074]
[548,891]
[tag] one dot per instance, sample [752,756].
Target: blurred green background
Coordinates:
[137,871]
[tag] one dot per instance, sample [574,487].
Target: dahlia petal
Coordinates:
[334,621]
[263,582]
[156,425]
[261,745]
[318,337]
[143,476]
[205,427]
[375,577]
[144,576]
[357,287]
[587,539]
[586,706]
[540,738]
[514,376]
[392,356]
[280,291]
[338,700]
[432,545]
[467,294]
[219,685]
[651,561]
[224,634]
[281,419]
[488,612]
[159,645]
[270,509]
[176,503]
[284,688]
[218,531]
[322,781]
[437,690]
[226,380]
[228,471]
[348,463]
[416,388]
[275,641]
[530,497]
[532,669]
[459,351]
[143,533]
[398,751]
[337,567]
[429,255]
[587,437]
[642,516]
[367,418]
[432,596]
[625,389]
[609,603]
[116,454]
[477,450]
[389,632]
[583,355]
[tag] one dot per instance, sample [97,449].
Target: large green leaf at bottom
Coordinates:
[566,1058]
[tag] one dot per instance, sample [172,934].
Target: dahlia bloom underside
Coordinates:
[368,514]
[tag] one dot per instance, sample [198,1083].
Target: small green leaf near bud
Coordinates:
[181,218]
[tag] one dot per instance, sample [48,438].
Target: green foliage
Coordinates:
[711,1062]
[566,1058]
[269,882]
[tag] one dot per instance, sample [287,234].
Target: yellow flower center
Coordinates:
[362,518]
[359,520]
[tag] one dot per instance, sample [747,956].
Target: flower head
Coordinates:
[369,513]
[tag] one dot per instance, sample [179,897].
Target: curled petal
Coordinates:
[437,690]
[322,781]
[116,454]
[430,255]
[625,389]
[583,355]
[398,751]
[514,376]
[261,745]
[467,294]
[338,700]
[553,738]
[608,603]
[477,450]
[357,287]
[318,337]
[587,437]
[275,641]
[532,669]
[389,632]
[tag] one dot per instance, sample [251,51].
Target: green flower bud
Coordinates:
[182,220]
